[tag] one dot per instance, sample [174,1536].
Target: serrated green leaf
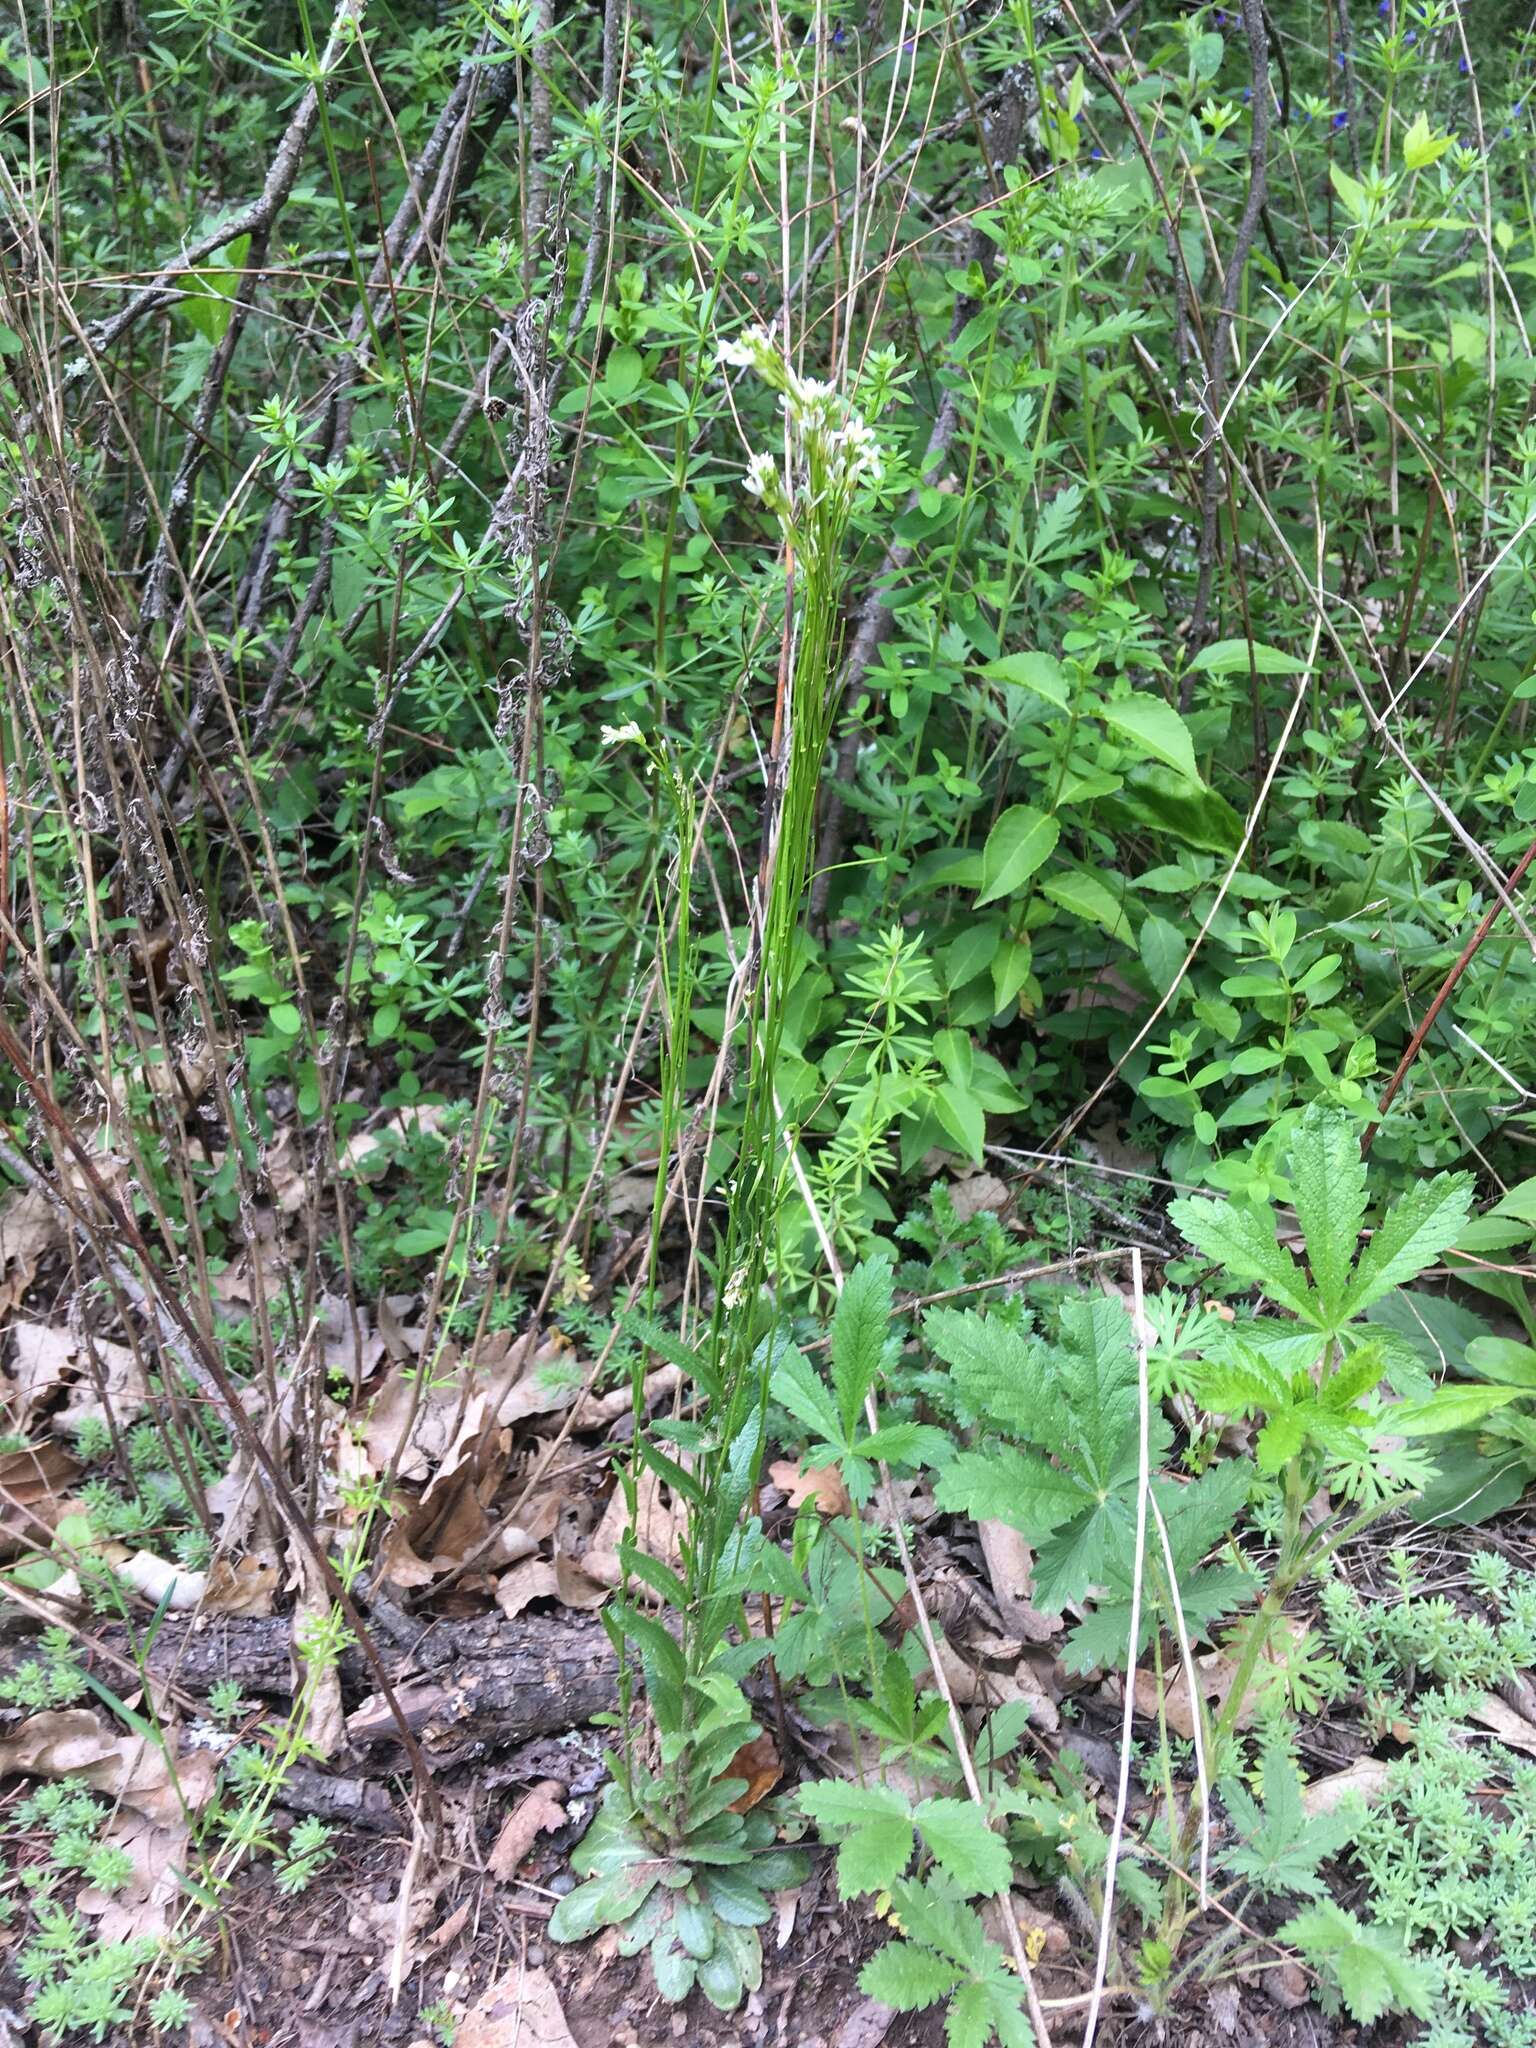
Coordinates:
[1005,1484]
[1327,1177]
[1243,1241]
[964,1846]
[798,1387]
[1019,843]
[1424,1220]
[1156,731]
[861,1333]
[1368,1964]
[1280,1439]
[906,1977]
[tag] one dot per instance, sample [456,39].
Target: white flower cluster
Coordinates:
[833,448]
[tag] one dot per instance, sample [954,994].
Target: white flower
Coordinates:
[753,349]
[621,735]
[762,476]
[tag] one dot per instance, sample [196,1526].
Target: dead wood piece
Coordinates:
[359,1802]
[485,1682]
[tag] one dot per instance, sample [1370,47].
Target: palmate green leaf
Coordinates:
[872,1826]
[1327,1177]
[906,1977]
[1367,1963]
[1277,1850]
[1005,1484]
[861,1334]
[965,1848]
[1242,1240]
[1421,1222]
[1156,731]
[1019,843]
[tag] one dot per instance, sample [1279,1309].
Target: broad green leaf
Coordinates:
[1328,1192]
[1503,1360]
[1423,1221]
[209,292]
[1090,899]
[1244,657]
[1042,673]
[875,1825]
[964,1846]
[1352,194]
[1242,1240]
[1447,1410]
[1162,947]
[1155,729]
[861,1331]
[1020,842]
[1519,1202]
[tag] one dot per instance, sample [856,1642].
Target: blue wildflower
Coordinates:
[1340,119]
[1463,66]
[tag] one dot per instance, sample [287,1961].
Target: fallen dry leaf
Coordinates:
[33,1485]
[1010,1572]
[74,1742]
[1215,1675]
[1365,1779]
[147,1903]
[325,1721]
[1508,1725]
[538,1812]
[123,1380]
[594,1410]
[659,1524]
[557,1578]
[249,1587]
[42,1361]
[820,1483]
[520,2010]
[452,1927]
[29,1224]
[757,1762]
[977,1193]
[414,1426]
